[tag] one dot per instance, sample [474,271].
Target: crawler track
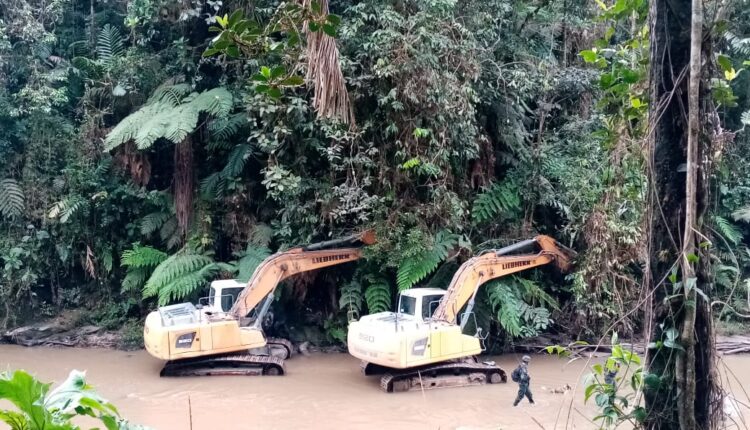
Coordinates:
[234,364]
[271,362]
[450,374]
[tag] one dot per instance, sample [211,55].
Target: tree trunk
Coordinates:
[677,203]
[183,184]
[685,363]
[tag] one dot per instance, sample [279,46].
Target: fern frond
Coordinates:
[499,200]
[213,186]
[109,44]
[178,276]
[415,268]
[134,279]
[142,257]
[533,292]
[249,260]
[378,295]
[68,208]
[730,232]
[515,316]
[186,284]
[167,116]
[224,128]
[172,94]
[742,214]
[236,161]
[153,222]
[168,232]
[261,234]
[351,300]
[11,198]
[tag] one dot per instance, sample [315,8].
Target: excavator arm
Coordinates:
[495,264]
[282,265]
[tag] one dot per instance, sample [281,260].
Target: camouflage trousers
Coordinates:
[523,390]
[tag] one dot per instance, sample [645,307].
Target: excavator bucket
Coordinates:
[354,241]
[564,256]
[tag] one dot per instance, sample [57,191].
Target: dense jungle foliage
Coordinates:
[139,160]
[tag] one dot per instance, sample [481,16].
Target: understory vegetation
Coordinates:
[148,147]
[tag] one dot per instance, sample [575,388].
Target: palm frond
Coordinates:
[11,198]
[109,44]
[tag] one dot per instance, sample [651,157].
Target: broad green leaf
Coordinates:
[259,77]
[265,71]
[589,56]
[725,63]
[329,29]
[235,17]
[275,93]
[333,19]
[277,71]
[27,394]
[293,81]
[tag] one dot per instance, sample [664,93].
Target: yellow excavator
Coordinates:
[421,346]
[224,335]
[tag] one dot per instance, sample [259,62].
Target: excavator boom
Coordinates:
[282,265]
[495,264]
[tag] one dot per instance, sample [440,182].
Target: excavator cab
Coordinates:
[419,303]
[222,294]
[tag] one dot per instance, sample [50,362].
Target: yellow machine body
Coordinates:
[425,331]
[230,319]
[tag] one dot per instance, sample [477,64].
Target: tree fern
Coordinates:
[248,260]
[378,295]
[745,118]
[499,200]
[68,208]
[153,222]
[109,44]
[351,300]
[725,276]
[224,128]
[236,161]
[213,186]
[142,257]
[515,315]
[261,234]
[140,262]
[730,232]
[416,267]
[742,214]
[11,198]
[739,45]
[533,293]
[180,275]
[169,117]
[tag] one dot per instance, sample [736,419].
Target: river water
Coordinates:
[323,391]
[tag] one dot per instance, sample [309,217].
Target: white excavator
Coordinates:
[224,335]
[422,345]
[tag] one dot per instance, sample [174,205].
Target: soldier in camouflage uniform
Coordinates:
[523,381]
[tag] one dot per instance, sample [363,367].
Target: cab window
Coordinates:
[229,296]
[429,305]
[407,305]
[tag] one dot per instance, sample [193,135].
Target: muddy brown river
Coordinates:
[326,391]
